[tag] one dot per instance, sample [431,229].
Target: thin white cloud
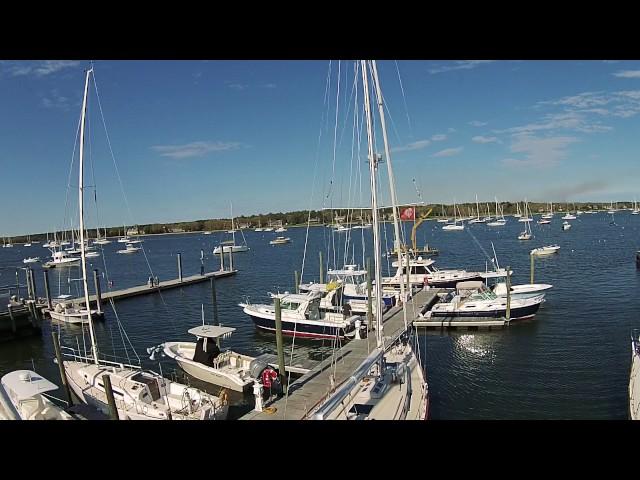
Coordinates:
[482,139]
[269,85]
[538,152]
[477,123]
[627,74]
[418,145]
[55,100]
[40,69]
[459,65]
[448,152]
[194,149]
[238,86]
[439,137]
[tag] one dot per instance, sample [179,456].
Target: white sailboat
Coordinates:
[454,226]
[518,214]
[139,394]
[477,219]
[635,210]
[498,222]
[230,245]
[444,218]
[389,384]
[526,217]
[526,234]
[101,240]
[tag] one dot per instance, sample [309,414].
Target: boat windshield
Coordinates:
[289,305]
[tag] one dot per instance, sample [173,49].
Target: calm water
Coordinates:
[571,361]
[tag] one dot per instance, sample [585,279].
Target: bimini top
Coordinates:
[26,384]
[211,331]
[471,285]
[298,297]
[420,262]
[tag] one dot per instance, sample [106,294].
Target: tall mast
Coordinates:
[94,346]
[392,186]
[373,166]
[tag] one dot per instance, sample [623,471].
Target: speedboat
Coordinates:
[130,249]
[568,216]
[452,226]
[566,225]
[301,317]
[521,291]
[474,299]
[71,314]
[31,260]
[280,241]
[546,250]
[524,236]
[544,221]
[22,397]
[61,259]
[497,223]
[205,361]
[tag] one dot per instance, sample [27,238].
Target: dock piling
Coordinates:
[221,258]
[96,282]
[296,282]
[321,268]
[180,266]
[17,283]
[63,375]
[13,319]
[28,282]
[279,344]
[46,289]
[532,267]
[231,259]
[32,279]
[369,288]
[113,410]
[508,294]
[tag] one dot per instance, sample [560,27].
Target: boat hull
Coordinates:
[300,329]
[516,313]
[634,383]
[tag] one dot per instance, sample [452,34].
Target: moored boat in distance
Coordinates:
[566,225]
[280,241]
[546,250]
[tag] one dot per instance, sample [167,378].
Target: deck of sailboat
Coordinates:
[312,387]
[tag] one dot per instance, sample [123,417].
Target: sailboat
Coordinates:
[526,217]
[498,222]
[635,210]
[259,227]
[444,218]
[518,214]
[230,245]
[454,226]
[28,244]
[477,219]
[389,384]
[139,394]
[101,240]
[526,235]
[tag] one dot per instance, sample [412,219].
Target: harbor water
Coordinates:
[571,361]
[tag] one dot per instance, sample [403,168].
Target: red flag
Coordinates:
[408,213]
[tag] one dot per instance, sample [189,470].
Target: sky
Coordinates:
[191,137]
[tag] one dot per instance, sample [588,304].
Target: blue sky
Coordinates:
[190,136]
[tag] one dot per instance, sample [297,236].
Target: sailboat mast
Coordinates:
[373,165]
[94,346]
[392,185]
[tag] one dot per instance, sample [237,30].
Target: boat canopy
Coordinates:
[211,331]
[470,285]
[422,262]
[26,384]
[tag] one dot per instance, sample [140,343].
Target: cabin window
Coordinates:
[289,305]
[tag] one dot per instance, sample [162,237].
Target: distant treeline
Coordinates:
[323,217]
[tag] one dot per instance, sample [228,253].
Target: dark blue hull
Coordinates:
[520,312]
[300,329]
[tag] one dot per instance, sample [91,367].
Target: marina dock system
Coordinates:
[311,388]
[164,285]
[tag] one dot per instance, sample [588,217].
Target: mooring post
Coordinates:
[508,293]
[202,262]
[63,374]
[46,289]
[180,267]
[532,267]
[13,320]
[231,258]
[214,298]
[279,345]
[369,300]
[221,258]
[28,282]
[321,268]
[18,283]
[296,282]
[96,283]
[33,312]
[32,278]
[113,410]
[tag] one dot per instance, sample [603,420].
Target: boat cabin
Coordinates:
[208,342]
[24,388]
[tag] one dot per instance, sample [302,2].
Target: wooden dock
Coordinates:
[456,322]
[311,388]
[164,285]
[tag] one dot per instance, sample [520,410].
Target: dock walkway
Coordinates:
[164,285]
[311,388]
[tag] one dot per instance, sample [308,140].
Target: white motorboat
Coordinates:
[61,259]
[566,225]
[544,221]
[546,250]
[528,290]
[473,299]
[70,314]
[281,229]
[205,361]
[22,397]
[280,241]
[208,232]
[31,260]
[568,216]
[92,254]
[130,249]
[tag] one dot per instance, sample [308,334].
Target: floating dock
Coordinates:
[307,391]
[164,285]
[456,322]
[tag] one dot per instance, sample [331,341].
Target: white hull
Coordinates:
[71,316]
[230,248]
[545,250]
[634,383]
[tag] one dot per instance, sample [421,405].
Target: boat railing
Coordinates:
[78,357]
